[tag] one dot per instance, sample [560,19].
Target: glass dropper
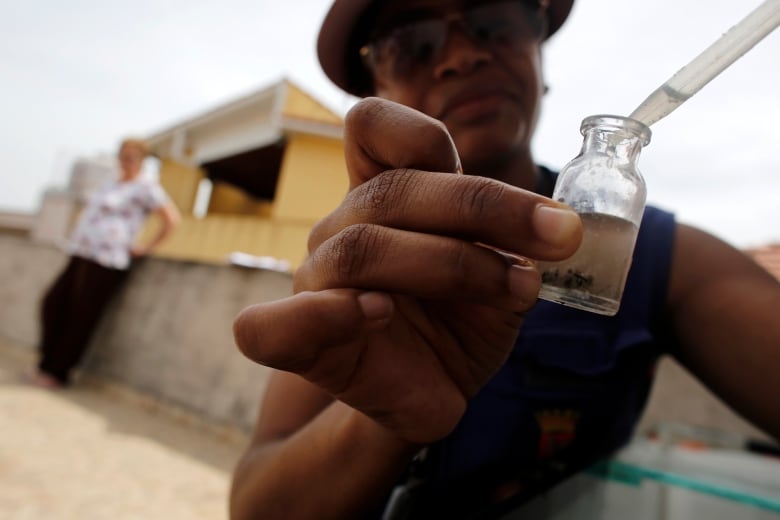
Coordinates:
[711,62]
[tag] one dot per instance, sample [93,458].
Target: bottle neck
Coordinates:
[621,146]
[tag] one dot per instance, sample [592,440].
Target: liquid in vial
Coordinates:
[593,278]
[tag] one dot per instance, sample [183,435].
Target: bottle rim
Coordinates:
[638,128]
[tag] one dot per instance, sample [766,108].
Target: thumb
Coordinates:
[382,135]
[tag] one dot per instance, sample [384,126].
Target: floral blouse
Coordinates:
[112,218]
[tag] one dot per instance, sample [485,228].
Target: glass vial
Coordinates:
[604,186]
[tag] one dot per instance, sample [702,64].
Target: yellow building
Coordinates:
[252,175]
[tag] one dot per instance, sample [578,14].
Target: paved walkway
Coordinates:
[92,452]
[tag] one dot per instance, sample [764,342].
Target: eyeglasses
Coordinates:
[404,50]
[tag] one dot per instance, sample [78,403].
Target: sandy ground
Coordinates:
[97,452]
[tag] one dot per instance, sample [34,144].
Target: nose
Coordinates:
[460,54]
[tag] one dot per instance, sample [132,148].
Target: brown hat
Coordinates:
[346,27]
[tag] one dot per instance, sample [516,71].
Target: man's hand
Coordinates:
[416,285]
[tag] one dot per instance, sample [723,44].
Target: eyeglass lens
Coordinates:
[413,45]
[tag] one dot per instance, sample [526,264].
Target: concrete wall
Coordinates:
[26,269]
[167,334]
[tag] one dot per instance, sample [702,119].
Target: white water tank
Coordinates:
[88,174]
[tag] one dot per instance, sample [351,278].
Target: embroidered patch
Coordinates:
[558,428]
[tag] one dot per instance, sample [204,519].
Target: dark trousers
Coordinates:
[71,311]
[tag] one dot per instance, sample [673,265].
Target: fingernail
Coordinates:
[524,282]
[556,225]
[376,306]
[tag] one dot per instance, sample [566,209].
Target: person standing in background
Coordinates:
[101,251]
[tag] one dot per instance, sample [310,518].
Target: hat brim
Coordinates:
[337,46]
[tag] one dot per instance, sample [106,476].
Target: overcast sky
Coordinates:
[78,75]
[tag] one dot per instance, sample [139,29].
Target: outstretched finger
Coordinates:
[290,334]
[421,265]
[468,207]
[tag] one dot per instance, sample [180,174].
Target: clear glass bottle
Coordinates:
[604,186]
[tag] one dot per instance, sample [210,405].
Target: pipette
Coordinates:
[711,62]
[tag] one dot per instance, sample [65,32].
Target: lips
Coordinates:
[475,102]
